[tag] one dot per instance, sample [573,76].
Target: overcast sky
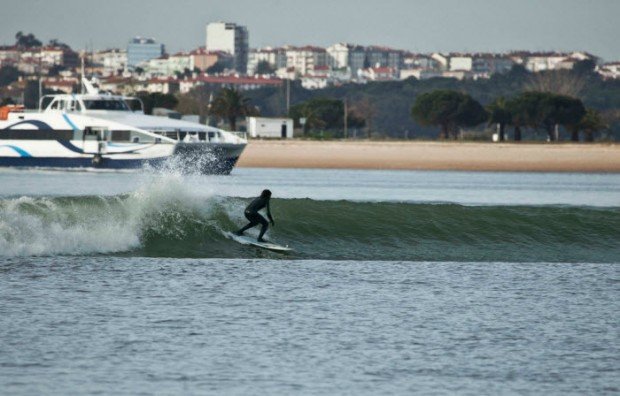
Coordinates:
[417,25]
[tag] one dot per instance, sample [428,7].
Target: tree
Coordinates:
[157,99]
[591,123]
[367,111]
[499,113]
[217,67]
[524,112]
[561,82]
[568,112]
[448,109]
[58,43]
[26,40]
[264,67]
[195,102]
[8,75]
[545,110]
[309,113]
[229,104]
[584,67]
[322,113]
[6,101]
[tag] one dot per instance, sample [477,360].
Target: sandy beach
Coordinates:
[540,157]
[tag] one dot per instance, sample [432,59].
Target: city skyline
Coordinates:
[446,26]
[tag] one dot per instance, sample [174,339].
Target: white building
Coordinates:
[263,127]
[276,57]
[112,60]
[443,61]
[346,56]
[230,38]
[541,61]
[162,85]
[379,73]
[303,59]
[419,61]
[480,63]
[156,67]
[419,73]
[179,62]
[609,70]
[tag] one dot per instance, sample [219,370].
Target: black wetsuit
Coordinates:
[255,218]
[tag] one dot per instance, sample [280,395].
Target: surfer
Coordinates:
[255,218]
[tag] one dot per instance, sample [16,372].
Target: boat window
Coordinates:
[54,105]
[106,104]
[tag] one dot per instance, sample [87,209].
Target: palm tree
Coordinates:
[230,104]
[312,116]
[499,113]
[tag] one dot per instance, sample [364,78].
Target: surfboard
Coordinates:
[245,240]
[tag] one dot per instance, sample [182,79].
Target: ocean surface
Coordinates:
[400,282]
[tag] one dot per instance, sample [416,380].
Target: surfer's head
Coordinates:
[266,194]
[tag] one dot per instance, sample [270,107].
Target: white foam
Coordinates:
[73,226]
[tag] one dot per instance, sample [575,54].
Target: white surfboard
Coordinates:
[245,240]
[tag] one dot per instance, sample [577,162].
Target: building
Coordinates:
[230,38]
[419,73]
[162,85]
[343,55]
[377,56]
[304,59]
[541,61]
[420,61]
[275,57]
[262,127]
[480,63]
[113,61]
[179,63]
[141,50]
[58,56]
[157,66]
[66,85]
[379,73]
[202,59]
[218,82]
[9,55]
[609,71]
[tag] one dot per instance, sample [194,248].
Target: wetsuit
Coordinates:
[255,218]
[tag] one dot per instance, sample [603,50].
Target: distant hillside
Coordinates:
[392,101]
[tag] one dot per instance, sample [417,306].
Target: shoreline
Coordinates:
[426,155]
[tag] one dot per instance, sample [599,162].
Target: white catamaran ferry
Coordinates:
[100,130]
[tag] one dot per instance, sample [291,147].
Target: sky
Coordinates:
[415,25]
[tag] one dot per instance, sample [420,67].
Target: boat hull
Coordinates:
[205,158]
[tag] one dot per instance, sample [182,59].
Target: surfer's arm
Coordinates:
[269,214]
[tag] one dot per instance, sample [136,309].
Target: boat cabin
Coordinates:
[87,103]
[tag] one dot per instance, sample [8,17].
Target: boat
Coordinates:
[100,130]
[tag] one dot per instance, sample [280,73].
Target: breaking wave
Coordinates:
[167,219]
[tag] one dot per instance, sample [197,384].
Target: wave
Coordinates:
[167,219]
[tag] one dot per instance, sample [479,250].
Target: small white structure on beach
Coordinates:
[263,127]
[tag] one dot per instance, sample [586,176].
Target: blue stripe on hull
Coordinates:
[222,167]
[56,162]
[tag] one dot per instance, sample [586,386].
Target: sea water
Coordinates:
[400,282]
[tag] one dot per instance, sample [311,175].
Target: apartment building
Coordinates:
[231,38]
[276,57]
[303,59]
